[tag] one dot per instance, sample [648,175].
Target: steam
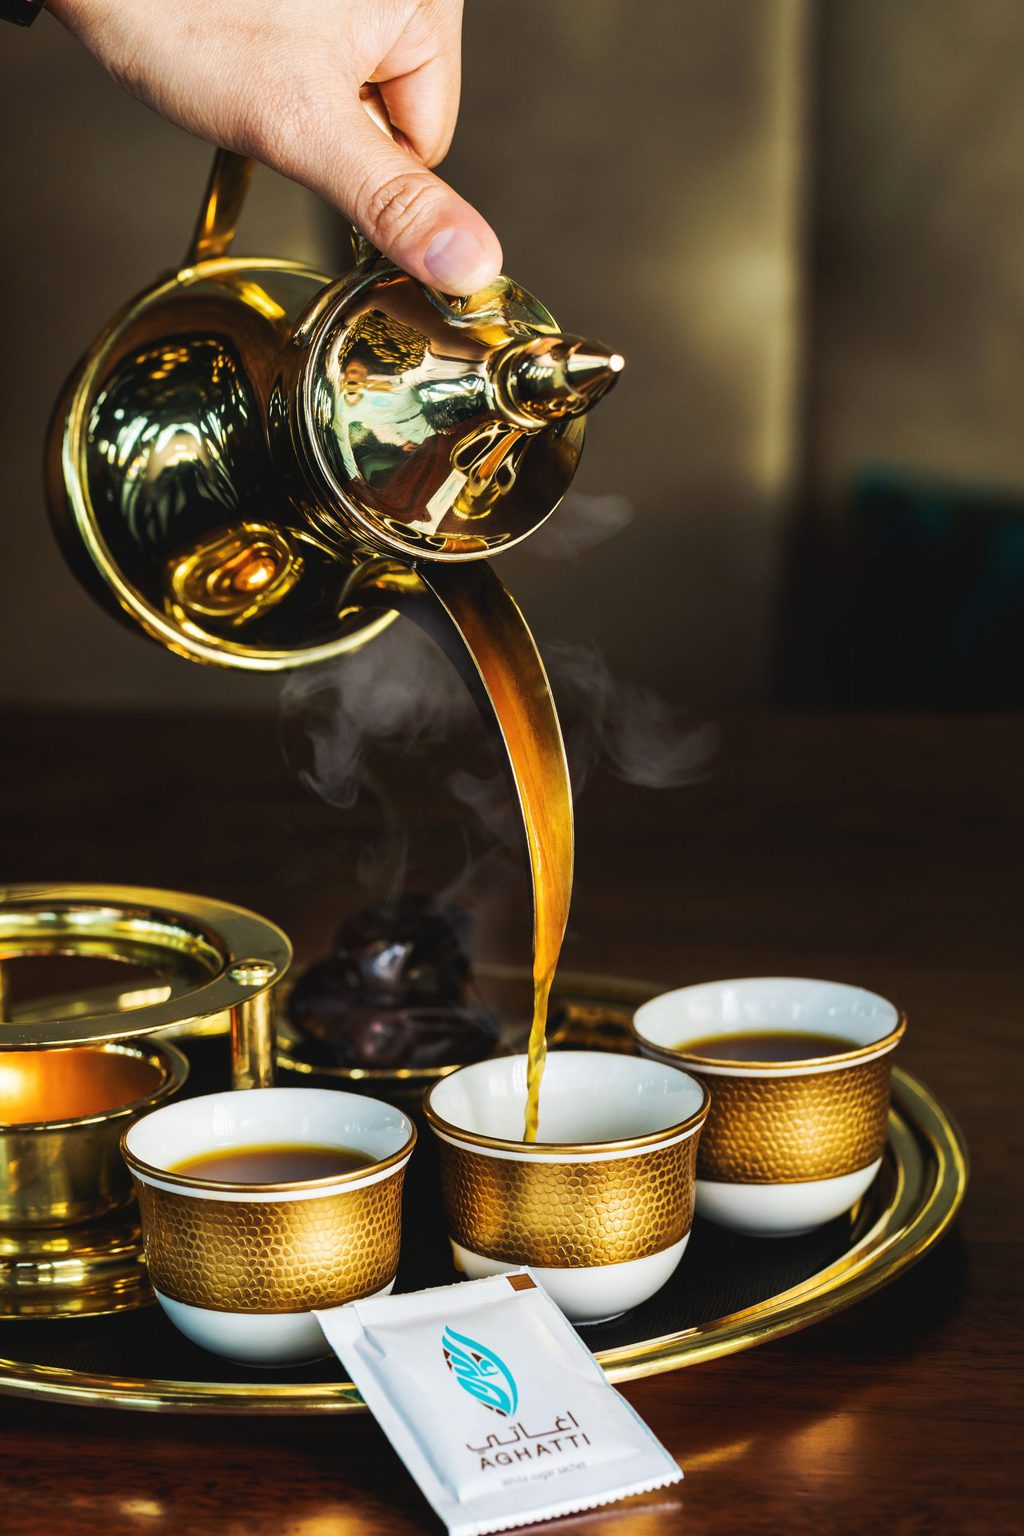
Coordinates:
[397,694]
[352,728]
[581,523]
[399,698]
[346,724]
[639,736]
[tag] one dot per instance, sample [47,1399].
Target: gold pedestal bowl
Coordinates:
[77,1068]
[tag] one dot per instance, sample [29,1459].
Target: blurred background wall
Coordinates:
[801,221]
[904,575]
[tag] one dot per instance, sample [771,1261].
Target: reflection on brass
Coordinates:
[61,1117]
[384,344]
[85,1270]
[90,1000]
[489,460]
[235,576]
[272,1255]
[565,1214]
[785,1130]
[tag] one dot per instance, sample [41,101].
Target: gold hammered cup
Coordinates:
[239,1268]
[792,1144]
[601,1205]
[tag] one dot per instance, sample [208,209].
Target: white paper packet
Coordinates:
[495,1404]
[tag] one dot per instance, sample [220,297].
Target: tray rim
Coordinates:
[923,1215]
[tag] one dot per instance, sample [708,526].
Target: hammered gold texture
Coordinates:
[569,1215]
[265,1256]
[787,1130]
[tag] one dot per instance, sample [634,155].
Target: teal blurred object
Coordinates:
[916,603]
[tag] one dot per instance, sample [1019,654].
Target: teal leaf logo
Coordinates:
[481,1373]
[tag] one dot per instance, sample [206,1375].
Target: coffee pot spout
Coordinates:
[550,377]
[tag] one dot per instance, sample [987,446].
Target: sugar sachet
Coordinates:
[495,1404]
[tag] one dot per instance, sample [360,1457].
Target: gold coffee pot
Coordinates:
[247,433]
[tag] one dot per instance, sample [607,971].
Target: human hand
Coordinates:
[281,82]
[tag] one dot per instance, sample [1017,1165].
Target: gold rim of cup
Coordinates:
[561,1149]
[880,1047]
[225,1186]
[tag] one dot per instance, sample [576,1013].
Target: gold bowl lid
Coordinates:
[214,956]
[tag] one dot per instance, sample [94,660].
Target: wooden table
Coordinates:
[882,852]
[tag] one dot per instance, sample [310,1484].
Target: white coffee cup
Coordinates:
[788,1145]
[240,1268]
[600,1206]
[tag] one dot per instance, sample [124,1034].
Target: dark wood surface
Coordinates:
[882,852]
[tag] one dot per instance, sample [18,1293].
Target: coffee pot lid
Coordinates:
[446,429]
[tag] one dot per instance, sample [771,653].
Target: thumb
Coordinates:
[407,212]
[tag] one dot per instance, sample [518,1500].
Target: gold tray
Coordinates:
[731,1293]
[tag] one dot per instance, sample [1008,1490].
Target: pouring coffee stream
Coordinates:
[479,626]
[262,467]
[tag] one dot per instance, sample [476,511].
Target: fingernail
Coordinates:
[453,259]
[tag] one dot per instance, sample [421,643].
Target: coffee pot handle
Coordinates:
[229,181]
[221,207]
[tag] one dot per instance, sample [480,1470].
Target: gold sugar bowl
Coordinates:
[78,1068]
[61,1117]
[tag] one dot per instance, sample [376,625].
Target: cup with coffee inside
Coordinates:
[261,1205]
[600,1203]
[798,1072]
